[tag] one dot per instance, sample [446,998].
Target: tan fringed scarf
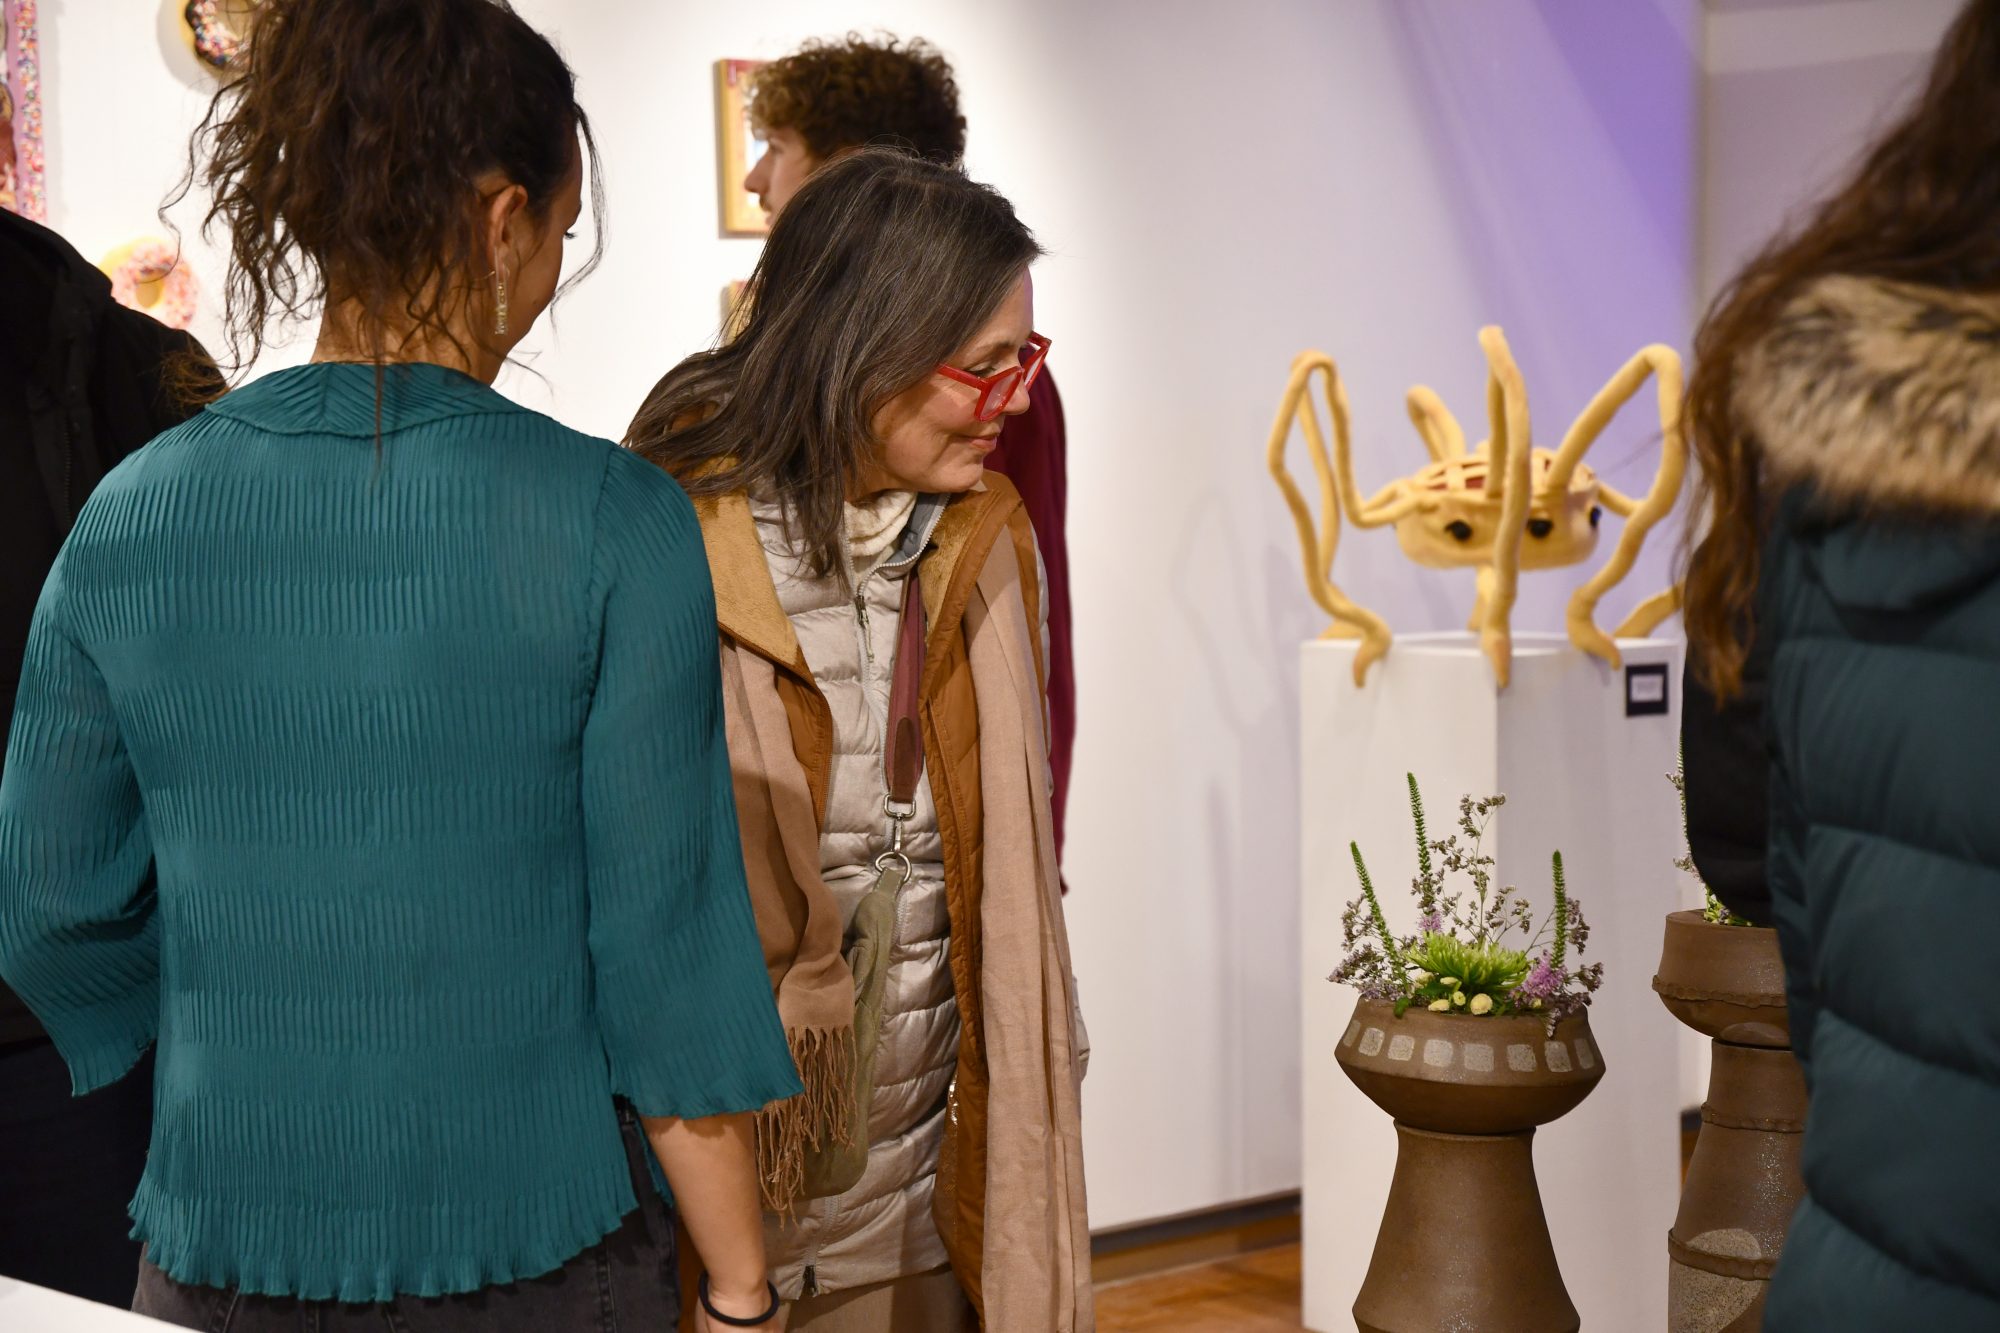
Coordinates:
[798,923]
[1036,1267]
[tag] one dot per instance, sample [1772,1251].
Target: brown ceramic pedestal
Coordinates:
[1743,1183]
[1464,1245]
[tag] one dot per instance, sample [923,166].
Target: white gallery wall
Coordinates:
[1218,187]
[1794,90]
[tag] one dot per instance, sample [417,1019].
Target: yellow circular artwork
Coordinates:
[147,275]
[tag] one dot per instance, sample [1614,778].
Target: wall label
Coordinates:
[1646,689]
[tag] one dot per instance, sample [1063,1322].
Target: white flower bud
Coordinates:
[1482,1004]
[1440,1006]
[1449,981]
[1458,998]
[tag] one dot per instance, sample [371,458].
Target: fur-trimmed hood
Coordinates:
[1881,394]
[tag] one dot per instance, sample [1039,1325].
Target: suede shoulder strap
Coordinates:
[904,754]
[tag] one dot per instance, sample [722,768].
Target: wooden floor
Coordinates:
[1256,1292]
[1251,1293]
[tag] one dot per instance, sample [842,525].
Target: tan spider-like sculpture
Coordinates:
[1502,506]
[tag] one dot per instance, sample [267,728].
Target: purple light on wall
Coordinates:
[1568,129]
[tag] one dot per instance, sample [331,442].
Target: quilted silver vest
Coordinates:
[882,1228]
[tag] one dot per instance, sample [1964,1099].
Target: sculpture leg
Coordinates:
[1318,541]
[1588,638]
[1650,614]
[1496,640]
[1509,474]
[1640,515]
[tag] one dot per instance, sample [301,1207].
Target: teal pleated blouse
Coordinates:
[380,779]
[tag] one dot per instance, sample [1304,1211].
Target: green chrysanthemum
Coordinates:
[1478,968]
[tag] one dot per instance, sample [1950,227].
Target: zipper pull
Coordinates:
[861,610]
[811,1287]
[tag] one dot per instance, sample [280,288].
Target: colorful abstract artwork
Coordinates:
[23,167]
[216,29]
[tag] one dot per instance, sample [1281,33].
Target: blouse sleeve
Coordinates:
[79,935]
[684,1003]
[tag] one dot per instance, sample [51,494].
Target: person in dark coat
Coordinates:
[83,382]
[1729,776]
[1846,411]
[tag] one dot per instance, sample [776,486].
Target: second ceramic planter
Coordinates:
[1743,1183]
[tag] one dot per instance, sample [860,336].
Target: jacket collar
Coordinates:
[964,534]
[912,541]
[1880,394]
[746,599]
[342,398]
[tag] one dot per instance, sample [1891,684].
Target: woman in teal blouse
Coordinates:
[369,755]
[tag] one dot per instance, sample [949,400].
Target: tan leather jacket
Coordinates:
[982,596]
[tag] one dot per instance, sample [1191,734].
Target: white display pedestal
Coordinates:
[26,1308]
[1581,777]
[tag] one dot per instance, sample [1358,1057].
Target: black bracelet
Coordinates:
[701,1290]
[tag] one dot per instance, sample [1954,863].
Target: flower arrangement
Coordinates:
[1712,910]
[1462,958]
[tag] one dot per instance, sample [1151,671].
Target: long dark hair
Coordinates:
[346,158]
[1923,207]
[880,267]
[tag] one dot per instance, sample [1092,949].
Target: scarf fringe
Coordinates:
[821,1116]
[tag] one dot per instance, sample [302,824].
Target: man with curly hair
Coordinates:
[830,97]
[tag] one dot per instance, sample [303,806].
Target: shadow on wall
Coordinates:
[1244,632]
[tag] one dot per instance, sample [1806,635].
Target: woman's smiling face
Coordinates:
[932,440]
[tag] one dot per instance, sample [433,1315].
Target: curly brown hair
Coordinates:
[1923,206]
[346,161]
[841,95]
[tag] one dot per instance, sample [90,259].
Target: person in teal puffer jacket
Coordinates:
[1846,408]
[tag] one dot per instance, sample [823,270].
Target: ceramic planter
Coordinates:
[1466,1094]
[1743,1183]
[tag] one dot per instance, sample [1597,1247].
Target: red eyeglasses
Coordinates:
[996,391]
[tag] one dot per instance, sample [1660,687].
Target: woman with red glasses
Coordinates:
[881,618]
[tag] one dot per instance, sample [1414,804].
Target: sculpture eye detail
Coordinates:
[1459,529]
[1541,527]
[1596,512]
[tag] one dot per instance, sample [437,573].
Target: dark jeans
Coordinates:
[623,1284]
[69,1167]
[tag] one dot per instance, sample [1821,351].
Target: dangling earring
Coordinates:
[499,302]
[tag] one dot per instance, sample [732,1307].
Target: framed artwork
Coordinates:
[734,311]
[23,182]
[215,29]
[736,149]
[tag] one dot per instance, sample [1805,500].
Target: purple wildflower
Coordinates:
[1431,924]
[1545,980]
